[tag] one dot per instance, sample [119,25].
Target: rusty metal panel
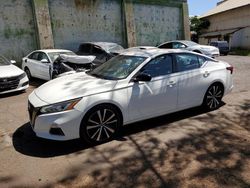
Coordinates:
[156,24]
[79,21]
[17,29]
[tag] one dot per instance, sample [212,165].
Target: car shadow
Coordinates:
[12,94]
[26,142]
[36,82]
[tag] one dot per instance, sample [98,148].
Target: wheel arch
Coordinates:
[27,68]
[218,82]
[117,107]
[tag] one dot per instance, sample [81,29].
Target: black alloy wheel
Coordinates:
[100,124]
[213,97]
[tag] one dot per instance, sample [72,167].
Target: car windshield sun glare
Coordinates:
[117,68]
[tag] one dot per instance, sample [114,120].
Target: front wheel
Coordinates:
[100,124]
[213,97]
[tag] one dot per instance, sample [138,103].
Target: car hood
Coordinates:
[9,71]
[72,86]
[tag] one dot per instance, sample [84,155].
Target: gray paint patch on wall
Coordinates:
[17,31]
[79,21]
[156,24]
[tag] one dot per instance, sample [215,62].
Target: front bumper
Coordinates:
[54,126]
[22,85]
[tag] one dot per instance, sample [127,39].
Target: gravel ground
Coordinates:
[191,148]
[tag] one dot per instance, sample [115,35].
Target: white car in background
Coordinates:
[210,51]
[11,77]
[133,86]
[39,63]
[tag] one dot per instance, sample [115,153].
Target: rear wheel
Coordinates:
[27,71]
[213,97]
[100,124]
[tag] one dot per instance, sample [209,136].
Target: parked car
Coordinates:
[11,78]
[39,63]
[210,51]
[222,45]
[102,50]
[130,87]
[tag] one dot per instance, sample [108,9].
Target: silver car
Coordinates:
[210,51]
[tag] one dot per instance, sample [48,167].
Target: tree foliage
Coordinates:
[197,24]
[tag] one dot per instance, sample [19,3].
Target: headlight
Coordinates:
[22,76]
[59,107]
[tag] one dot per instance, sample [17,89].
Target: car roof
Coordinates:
[186,42]
[53,50]
[152,52]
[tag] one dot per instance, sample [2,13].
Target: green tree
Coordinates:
[197,24]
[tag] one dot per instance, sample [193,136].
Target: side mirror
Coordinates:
[143,77]
[44,61]
[182,46]
[12,61]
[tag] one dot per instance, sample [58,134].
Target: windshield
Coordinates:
[54,55]
[3,61]
[190,43]
[115,48]
[117,68]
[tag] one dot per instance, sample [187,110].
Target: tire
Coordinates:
[213,97]
[54,75]
[27,71]
[100,124]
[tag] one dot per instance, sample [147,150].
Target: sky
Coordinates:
[200,7]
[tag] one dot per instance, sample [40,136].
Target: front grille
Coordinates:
[9,83]
[33,113]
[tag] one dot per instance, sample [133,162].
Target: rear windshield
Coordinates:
[223,44]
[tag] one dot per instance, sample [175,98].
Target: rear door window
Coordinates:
[186,62]
[201,60]
[167,45]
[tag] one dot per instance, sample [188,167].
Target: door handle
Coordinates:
[206,74]
[171,83]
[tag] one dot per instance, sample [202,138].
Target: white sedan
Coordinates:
[130,87]
[39,63]
[210,51]
[11,78]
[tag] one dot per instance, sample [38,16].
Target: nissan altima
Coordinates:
[130,87]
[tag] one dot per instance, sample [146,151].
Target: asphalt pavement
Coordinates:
[191,148]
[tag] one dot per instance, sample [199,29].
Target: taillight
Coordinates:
[231,69]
